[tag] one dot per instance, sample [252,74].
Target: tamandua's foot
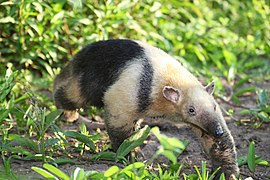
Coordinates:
[70,116]
[73,116]
[138,153]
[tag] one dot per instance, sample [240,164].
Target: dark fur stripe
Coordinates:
[99,65]
[144,99]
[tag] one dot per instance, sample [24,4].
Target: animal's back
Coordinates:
[98,66]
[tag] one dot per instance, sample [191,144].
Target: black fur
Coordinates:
[99,64]
[144,99]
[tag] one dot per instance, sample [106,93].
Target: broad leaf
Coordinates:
[251,157]
[56,171]
[135,140]
[82,138]
[44,173]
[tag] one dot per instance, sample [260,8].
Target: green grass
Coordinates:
[226,41]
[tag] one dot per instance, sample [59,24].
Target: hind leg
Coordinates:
[62,102]
[67,96]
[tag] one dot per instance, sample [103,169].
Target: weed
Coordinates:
[170,147]
[262,111]
[203,175]
[251,159]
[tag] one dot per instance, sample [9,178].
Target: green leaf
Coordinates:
[263,97]
[47,67]
[8,19]
[78,174]
[34,25]
[60,161]
[266,109]
[82,138]
[241,160]
[135,140]
[130,174]
[52,117]
[37,157]
[44,173]
[203,170]
[57,17]
[105,156]
[170,143]
[243,91]
[170,155]
[56,171]
[222,177]
[136,165]
[94,175]
[261,162]
[51,142]
[251,157]
[3,114]
[199,54]
[264,116]
[26,142]
[111,171]
[229,57]
[16,150]
[7,3]
[85,21]
[198,172]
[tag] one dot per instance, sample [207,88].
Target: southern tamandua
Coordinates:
[134,80]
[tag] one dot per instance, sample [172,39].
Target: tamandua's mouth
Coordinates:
[217,132]
[204,131]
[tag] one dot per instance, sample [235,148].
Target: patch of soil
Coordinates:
[193,155]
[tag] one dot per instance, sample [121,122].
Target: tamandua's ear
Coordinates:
[171,94]
[210,88]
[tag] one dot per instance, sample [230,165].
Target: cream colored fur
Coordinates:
[121,98]
[167,72]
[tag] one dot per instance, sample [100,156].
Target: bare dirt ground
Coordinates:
[243,134]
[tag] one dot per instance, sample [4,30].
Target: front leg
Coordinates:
[221,151]
[119,128]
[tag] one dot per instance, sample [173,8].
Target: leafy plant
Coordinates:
[203,175]
[41,123]
[170,147]
[251,159]
[134,171]
[262,111]
[51,172]
[6,101]
[126,147]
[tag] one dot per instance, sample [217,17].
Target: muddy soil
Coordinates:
[243,134]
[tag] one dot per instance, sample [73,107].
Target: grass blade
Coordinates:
[56,171]
[44,173]
[111,171]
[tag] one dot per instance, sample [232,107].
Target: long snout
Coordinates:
[215,130]
[218,131]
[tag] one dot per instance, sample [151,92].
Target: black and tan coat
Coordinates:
[133,80]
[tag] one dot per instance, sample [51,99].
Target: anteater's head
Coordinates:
[197,107]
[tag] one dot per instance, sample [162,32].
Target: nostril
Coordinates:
[219,131]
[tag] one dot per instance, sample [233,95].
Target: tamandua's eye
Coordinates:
[215,107]
[191,111]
